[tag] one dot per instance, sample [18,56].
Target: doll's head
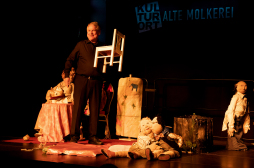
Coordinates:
[145,126]
[72,74]
[156,127]
[241,87]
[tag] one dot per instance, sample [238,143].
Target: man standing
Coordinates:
[87,83]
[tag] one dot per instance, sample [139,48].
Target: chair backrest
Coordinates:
[118,41]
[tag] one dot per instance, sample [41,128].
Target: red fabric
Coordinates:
[55,121]
[110,89]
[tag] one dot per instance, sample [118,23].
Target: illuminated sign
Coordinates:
[150,17]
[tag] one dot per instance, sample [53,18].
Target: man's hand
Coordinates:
[246,129]
[67,81]
[231,132]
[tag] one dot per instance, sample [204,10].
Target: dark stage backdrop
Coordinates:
[182,39]
[195,39]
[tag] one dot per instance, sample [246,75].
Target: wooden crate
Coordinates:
[197,133]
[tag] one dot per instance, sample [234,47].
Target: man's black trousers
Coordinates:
[86,88]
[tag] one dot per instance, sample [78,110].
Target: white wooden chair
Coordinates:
[111,51]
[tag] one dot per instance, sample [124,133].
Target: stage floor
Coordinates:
[12,155]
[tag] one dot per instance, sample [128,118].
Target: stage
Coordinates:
[13,154]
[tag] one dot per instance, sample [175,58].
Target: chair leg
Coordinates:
[120,63]
[96,58]
[104,65]
[107,131]
[112,58]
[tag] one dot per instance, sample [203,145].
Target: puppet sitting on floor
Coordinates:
[149,143]
[237,118]
[137,149]
[167,144]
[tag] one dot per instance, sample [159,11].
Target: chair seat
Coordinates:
[105,52]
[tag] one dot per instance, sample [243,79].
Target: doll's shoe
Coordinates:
[133,155]
[149,154]
[244,149]
[108,153]
[164,157]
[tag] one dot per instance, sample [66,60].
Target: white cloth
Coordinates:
[143,141]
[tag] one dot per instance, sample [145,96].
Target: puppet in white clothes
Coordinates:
[237,118]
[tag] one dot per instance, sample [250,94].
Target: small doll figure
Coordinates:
[137,150]
[150,143]
[61,93]
[145,138]
[237,118]
[167,145]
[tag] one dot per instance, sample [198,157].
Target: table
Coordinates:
[54,122]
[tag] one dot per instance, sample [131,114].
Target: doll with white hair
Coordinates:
[167,145]
[137,149]
[150,144]
[237,118]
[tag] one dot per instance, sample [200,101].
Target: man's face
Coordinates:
[92,33]
[241,87]
[146,126]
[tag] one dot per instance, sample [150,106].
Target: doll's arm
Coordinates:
[176,137]
[48,95]
[246,123]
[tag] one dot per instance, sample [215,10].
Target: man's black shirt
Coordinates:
[82,57]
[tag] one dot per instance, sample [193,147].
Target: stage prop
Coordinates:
[111,51]
[54,122]
[129,103]
[196,131]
